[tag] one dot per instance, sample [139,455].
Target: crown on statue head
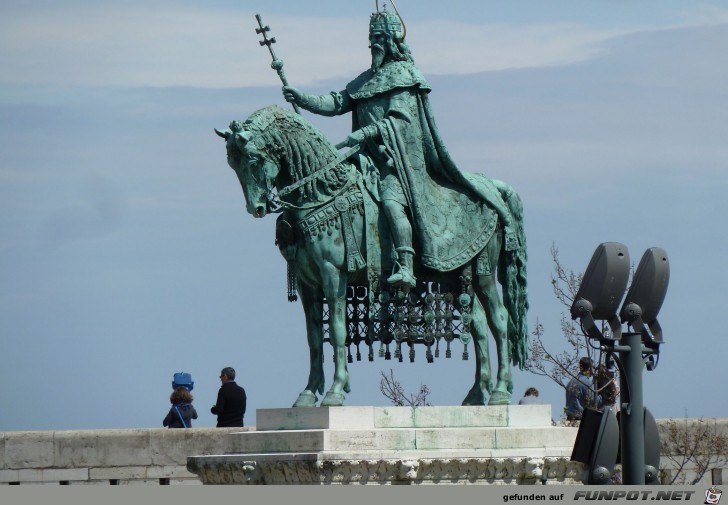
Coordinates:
[387,22]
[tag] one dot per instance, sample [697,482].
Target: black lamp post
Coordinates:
[598,298]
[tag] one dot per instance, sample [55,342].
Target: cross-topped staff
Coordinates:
[277,64]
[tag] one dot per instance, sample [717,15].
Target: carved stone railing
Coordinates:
[234,470]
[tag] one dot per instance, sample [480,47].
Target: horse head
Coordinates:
[255,168]
[276,148]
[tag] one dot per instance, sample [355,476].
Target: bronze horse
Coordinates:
[276,149]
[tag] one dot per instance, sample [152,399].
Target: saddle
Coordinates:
[437,312]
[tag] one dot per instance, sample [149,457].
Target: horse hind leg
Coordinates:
[482,358]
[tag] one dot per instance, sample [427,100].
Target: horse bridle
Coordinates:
[272,202]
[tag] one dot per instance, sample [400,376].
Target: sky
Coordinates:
[126,254]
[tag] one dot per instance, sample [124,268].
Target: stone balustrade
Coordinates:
[143,456]
[513,446]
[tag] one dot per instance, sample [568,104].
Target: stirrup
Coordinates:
[402,278]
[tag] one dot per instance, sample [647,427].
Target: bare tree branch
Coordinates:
[392,389]
[563,366]
[560,367]
[692,445]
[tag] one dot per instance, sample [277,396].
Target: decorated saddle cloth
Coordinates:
[453,227]
[452,222]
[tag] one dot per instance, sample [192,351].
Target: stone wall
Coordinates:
[139,456]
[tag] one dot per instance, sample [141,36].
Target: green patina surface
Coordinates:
[395,216]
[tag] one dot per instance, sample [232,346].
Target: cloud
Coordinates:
[103,44]
[480,48]
[156,44]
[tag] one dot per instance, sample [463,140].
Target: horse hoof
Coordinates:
[306,399]
[473,400]
[500,398]
[475,397]
[332,400]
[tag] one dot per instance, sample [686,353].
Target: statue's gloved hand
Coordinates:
[354,139]
[293,95]
[359,136]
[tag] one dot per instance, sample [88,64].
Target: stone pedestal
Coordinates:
[514,444]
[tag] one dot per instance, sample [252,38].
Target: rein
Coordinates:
[311,177]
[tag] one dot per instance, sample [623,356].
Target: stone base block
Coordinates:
[352,418]
[513,444]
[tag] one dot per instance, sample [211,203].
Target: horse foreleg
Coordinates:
[313,308]
[335,290]
[482,358]
[497,315]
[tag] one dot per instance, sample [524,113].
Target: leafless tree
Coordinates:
[694,447]
[562,366]
[559,366]
[392,389]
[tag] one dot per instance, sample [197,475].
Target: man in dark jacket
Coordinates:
[580,391]
[231,399]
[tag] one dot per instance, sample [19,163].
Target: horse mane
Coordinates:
[299,148]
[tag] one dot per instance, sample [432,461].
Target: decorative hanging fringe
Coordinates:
[291,273]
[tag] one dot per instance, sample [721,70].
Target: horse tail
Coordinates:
[512,276]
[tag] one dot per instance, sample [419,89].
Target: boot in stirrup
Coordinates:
[404,275]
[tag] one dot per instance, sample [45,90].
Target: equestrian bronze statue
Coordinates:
[388,243]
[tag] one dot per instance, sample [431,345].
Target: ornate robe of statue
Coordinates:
[404,159]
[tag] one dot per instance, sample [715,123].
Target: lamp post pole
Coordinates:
[632,415]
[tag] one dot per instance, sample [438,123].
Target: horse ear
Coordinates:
[223,133]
